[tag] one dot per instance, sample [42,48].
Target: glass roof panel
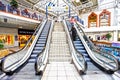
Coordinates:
[76,5]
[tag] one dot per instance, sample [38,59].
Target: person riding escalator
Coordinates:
[73,33]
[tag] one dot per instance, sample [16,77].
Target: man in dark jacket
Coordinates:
[73,33]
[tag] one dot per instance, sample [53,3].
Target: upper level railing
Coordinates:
[20,12]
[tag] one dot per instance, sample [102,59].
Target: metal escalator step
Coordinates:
[77,39]
[33,56]
[38,48]
[44,33]
[31,60]
[82,51]
[41,42]
[86,55]
[46,29]
[76,45]
[36,52]
[42,37]
[40,45]
[88,59]
[80,48]
[77,42]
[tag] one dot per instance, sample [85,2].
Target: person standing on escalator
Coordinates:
[72,21]
[73,33]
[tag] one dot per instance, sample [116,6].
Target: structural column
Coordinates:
[46,11]
[115,37]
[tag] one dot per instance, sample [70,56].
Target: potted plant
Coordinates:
[1,44]
[14,4]
[108,36]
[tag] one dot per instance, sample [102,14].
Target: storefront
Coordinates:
[23,36]
[101,36]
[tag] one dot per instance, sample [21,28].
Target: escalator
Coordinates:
[95,61]
[40,44]
[80,48]
[26,70]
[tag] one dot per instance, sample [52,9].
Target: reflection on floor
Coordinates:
[61,71]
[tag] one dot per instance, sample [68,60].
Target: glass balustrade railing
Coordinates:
[42,58]
[77,56]
[13,61]
[103,58]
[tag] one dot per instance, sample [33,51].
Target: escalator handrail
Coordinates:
[22,60]
[74,51]
[95,49]
[41,60]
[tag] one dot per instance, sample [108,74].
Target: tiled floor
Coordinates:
[60,71]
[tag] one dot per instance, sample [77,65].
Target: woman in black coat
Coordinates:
[73,33]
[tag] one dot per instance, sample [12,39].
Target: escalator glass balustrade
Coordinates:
[90,52]
[14,62]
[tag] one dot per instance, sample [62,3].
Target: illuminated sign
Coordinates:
[25,32]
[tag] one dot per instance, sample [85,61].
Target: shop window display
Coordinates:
[104,18]
[1,44]
[104,36]
[23,40]
[7,39]
[23,36]
[92,20]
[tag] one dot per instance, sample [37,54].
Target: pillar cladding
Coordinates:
[115,37]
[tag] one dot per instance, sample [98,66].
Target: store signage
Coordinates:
[25,32]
